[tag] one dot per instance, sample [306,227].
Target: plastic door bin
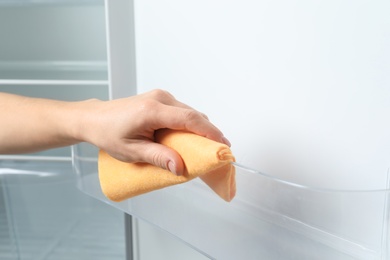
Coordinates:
[268,219]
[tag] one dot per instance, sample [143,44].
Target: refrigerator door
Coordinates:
[301,90]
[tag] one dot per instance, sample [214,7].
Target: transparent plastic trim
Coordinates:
[269,218]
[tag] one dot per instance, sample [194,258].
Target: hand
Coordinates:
[125,128]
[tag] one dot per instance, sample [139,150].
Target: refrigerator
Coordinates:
[301,90]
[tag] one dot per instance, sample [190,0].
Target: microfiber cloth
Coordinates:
[202,157]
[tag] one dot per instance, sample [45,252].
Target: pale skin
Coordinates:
[123,127]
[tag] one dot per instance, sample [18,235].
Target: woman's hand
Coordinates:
[124,127]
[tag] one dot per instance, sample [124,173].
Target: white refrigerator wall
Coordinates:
[301,88]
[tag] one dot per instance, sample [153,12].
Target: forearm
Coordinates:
[31,124]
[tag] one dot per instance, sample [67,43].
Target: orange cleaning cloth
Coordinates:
[202,157]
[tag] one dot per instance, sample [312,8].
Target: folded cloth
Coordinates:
[202,157]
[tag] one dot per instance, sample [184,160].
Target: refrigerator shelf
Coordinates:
[47,2]
[44,216]
[269,218]
[41,72]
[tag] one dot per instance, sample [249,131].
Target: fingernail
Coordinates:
[172,168]
[226,141]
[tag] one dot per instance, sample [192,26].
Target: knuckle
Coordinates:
[204,116]
[161,95]
[191,115]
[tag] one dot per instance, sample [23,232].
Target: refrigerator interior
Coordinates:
[53,49]
[44,216]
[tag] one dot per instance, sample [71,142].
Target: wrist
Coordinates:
[81,116]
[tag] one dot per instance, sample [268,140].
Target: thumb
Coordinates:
[162,156]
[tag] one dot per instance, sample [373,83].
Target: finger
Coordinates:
[185,106]
[190,120]
[164,97]
[167,98]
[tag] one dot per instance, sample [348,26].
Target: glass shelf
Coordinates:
[52,70]
[268,219]
[45,2]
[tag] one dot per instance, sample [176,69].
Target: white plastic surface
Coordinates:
[300,88]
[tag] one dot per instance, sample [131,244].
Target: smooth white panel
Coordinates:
[301,88]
